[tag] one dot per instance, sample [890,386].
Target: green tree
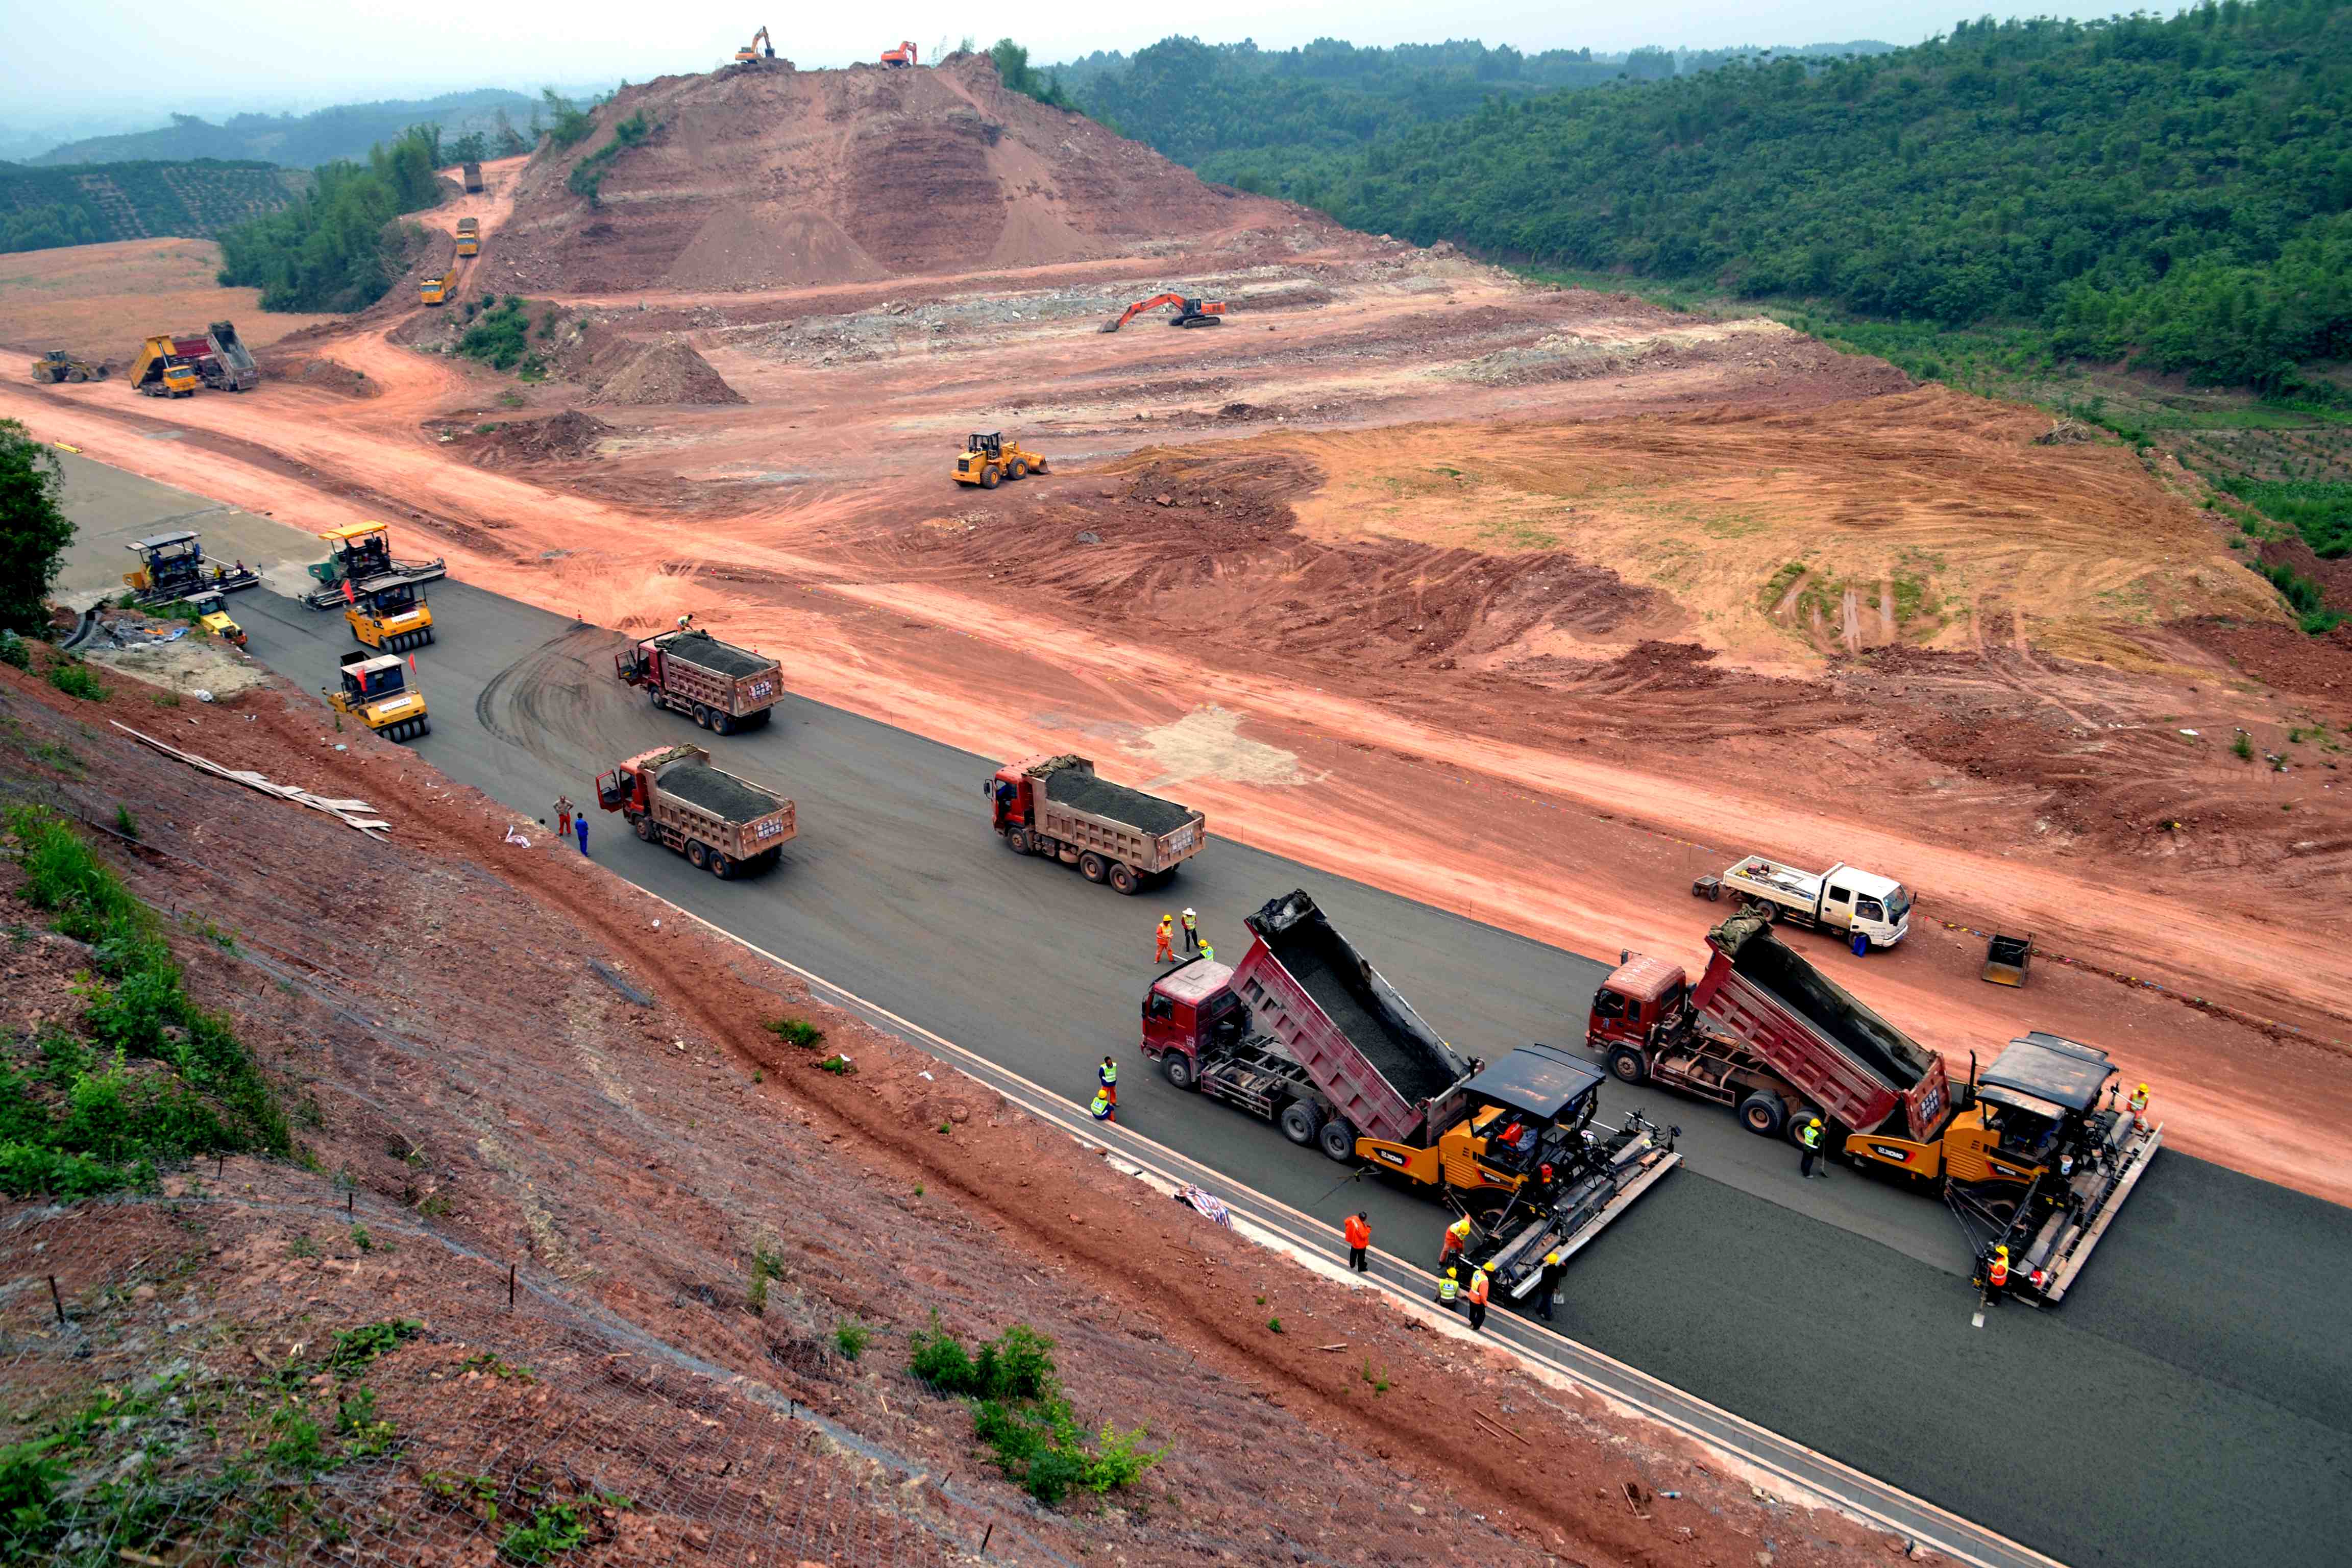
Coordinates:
[34,530]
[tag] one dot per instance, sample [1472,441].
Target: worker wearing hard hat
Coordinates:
[1162,953]
[2138,1107]
[1191,931]
[1809,1139]
[1548,1286]
[1477,1299]
[1449,1290]
[1997,1271]
[1457,1236]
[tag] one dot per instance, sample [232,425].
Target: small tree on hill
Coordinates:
[34,531]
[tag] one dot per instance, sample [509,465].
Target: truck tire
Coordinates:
[988,478]
[654,696]
[644,826]
[1763,1114]
[1124,879]
[720,867]
[1804,1114]
[1017,840]
[1627,1065]
[1017,470]
[721,723]
[1300,1121]
[1337,1138]
[702,715]
[695,854]
[1177,1069]
[1091,867]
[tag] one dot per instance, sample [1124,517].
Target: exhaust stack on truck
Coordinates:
[1306,1034]
[2024,1155]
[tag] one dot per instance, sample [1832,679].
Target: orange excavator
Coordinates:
[901,58]
[761,47]
[1189,312]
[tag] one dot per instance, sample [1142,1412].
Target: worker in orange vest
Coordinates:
[1359,1229]
[1457,1236]
[1477,1298]
[1164,953]
[1997,1271]
[2139,1104]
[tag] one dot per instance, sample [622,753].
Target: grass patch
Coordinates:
[13,652]
[797,1032]
[851,1337]
[1018,1410]
[1776,587]
[499,338]
[2319,510]
[587,176]
[74,678]
[2303,597]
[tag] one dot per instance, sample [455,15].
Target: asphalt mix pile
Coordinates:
[730,797]
[1098,795]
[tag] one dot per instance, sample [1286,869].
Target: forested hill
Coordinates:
[2176,188]
[1190,99]
[305,140]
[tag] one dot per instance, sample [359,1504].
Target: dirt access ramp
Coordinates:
[759,176]
[562,1075]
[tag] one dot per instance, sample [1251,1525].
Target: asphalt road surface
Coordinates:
[2190,1403]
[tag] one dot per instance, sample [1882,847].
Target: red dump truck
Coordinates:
[727,826]
[1306,1034]
[1061,808]
[718,685]
[2025,1154]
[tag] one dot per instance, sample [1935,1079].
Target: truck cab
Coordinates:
[1641,1004]
[433,290]
[1012,795]
[622,790]
[1864,904]
[1194,1011]
[470,237]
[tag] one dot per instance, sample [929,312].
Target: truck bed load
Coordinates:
[1810,1029]
[1362,1042]
[717,792]
[708,815]
[1081,790]
[700,648]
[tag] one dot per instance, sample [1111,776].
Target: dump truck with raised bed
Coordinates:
[1304,1033]
[1059,807]
[2024,1155]
[723,824]
[473,177]
[389,614]
[359,553]
[1863,908]
[376,690]
[470,237]
[159,370]
[718,685]
[231,366]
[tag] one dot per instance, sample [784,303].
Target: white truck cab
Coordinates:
[1872,910]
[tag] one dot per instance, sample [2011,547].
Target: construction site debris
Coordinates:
[353,813]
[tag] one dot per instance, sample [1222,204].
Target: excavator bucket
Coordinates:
[1112,325]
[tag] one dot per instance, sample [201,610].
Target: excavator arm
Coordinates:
[754,50]
[1140,307]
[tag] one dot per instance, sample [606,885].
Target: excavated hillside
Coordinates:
[761,176]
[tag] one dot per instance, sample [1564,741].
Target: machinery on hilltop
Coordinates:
[760,48]
[1189,312]
[902,57]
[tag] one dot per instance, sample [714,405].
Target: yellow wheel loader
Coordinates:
[988,460]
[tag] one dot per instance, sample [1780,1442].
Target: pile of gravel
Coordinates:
[1333,975]
[702,648]
[723,794]
[1093,793]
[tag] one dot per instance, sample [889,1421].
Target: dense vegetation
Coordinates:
[587,176]
[34,529]
[144,1075]
[343,132]
[329,250]
[2173,189]
[1019,1410]
[1191,99]
[93,204]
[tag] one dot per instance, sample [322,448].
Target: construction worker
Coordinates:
[1548,1286]
[1449,1291]
[1477,1299]
[1358,1230]
[1457,1236]
[1191,933]
[1209,952]
[1163,952]
[1107,1076]
[1997,1271]
[1809,1139]
[580,825]
[2138,1105]
[1102,1108]
[563,816]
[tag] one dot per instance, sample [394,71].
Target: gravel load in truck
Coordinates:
[1083,790]
[1820,1001]
[1363,1006]
[699,784]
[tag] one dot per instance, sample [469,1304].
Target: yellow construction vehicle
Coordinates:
[988,459]
[760,48]
[362,551]
[470,237]
[212,614]
[389,614]
[435,290]
[161,370]
[377,693]
[58,365]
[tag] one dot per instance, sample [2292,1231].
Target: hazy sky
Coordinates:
[199,55]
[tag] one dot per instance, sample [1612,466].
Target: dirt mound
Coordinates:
[568,436]
[668,371]
[2282,656]
[315,370]
[768,178]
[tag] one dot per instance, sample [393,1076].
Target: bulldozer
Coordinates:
[902,57]
[389,614]
[212,615]
[1189,312]
[376,692]
[58,365]
[990,460]
[761,47]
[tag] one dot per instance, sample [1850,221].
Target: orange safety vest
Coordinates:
[1997,1276]
[1478,1287]
[1459,1230]
[1359,1233]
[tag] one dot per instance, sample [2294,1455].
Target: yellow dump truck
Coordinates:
[470,237]
[435,290]
[376,692]
[159,370]
[389,614]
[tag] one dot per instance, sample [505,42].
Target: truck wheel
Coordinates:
[644,826]
[1091,867]
[1626,1066]
[702,715]
[654,696]
[1337,1138]
[1019,470]
[1124,879]
[1763,1114]
[696,854]
[723,724]
[720,867]
[1806,1113]
[1017,839]
[988,478]
[1300,1121]
[1177,1069]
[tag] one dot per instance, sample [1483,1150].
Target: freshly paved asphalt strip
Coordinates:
[2190,1404]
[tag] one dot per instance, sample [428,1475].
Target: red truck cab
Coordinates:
[1640,1004]
[622,789]
[1191,1009]
[1012,794]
